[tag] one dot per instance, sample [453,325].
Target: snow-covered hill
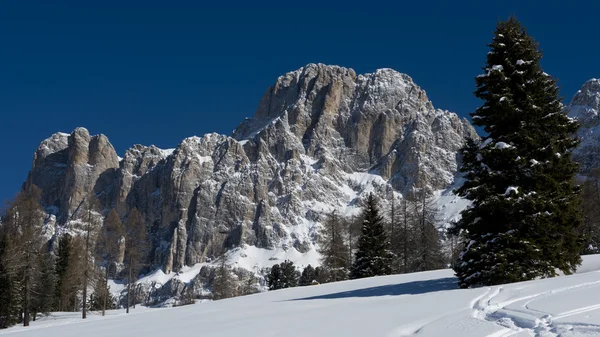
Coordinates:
[420,304]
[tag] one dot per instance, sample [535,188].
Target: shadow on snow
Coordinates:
[410,288]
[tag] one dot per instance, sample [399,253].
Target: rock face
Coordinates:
[585,107]
[321,139]
[68,167]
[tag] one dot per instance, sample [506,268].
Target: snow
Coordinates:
[167,152]
[253,258]
[485,143]
[419,304]
[503,146]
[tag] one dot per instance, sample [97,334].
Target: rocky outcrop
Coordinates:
[68,167]
[321,139]
[585,107]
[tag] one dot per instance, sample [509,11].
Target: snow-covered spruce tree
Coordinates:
[373,256]
[525,214]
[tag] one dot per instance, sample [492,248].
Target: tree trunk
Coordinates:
[85,270]
[105,291]
[27,299]
[128,286]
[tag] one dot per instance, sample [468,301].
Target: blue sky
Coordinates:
[155,72]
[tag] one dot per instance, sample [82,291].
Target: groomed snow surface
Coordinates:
[420,304]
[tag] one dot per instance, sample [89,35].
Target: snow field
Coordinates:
[419,304]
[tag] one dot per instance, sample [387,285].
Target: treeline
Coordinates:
[42,271]
[405,241]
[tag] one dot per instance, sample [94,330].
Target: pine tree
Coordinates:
[307,277]
[45,287]
[61,267]
[283,275]
[274,278]
[290,275]
[373,256]
[321,275]
[525,212]
[333,249]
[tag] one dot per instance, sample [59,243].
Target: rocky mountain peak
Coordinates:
[321,139]
[585,107]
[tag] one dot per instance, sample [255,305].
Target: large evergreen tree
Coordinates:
[374,256]
[525,214]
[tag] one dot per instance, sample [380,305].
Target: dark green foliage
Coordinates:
[321,275]
[61,267]
[44,299]
[100,295]
[525,212]
[373,257]
[307,277]
[334,249]
[283,275]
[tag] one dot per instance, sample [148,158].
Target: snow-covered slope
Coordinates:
[420,304]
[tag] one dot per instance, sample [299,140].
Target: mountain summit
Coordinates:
[585,107]
[321,139]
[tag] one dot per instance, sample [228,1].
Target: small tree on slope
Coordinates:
[373,257]
[525,206]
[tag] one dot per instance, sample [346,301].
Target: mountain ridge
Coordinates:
[321,139]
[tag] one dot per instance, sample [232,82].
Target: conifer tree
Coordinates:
[321,275]
[45,287]
[373,257]
[334,250]
[275,278]
[307,277]
[525,212]
[283,275]
[61,267]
